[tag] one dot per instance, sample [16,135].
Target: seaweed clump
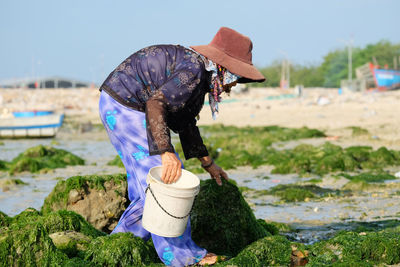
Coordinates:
[42,157]
[268,251]
[357,249]
[369,177]
[234,146]
[294,193]
[101,199]
[222,221]
[121,249]
[116,162]
[328,158]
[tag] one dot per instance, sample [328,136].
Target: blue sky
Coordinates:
[87,39]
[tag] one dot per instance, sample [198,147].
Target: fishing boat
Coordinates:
[22,124]
[385,79]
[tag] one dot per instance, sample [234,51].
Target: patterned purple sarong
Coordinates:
[126,129]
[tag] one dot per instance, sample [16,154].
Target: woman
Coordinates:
[163,87]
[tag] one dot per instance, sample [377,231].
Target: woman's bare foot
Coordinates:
[209,258]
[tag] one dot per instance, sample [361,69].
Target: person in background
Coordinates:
[161,88]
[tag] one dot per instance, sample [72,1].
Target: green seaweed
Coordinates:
[58,198]
[268,251]
[43,158]
[234,146]
[357,131]
[28,245]
[116,162]
[222,221]
[369,177]
[121,249]
[327,158]
[352,248]
[294,193]
[4,219]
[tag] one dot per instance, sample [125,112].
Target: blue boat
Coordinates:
[24,124]
[385,79]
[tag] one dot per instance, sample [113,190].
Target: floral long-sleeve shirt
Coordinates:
[168,83]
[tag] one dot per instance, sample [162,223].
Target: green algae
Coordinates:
[294,193]
[351,248]
[42,157]
[327,158]
[358,131]
[121,249]
[28,245]
[234,146]
[268,251]
[4,219]
[222,221]
[70,242]
[369,177]
[116,162]
[3,165]
[58,198]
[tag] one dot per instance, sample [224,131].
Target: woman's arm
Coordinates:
[215,171]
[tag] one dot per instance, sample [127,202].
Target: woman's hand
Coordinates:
[215,171]
[171,167]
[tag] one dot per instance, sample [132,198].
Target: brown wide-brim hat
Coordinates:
[232,50]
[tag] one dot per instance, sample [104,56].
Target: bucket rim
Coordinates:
[152,179]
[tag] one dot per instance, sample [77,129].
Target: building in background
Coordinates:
[45,82]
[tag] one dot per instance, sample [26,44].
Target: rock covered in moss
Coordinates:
[268,251]
[100,199]
[121,249]
[28,245]
[9,183]
[351,248]
[70,242]
[4,219]
[43,157]
[222,221]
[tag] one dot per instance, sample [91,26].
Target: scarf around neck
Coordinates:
[219,76]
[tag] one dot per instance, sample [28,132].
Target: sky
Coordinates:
[87,39]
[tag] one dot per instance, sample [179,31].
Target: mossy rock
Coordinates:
[222,221]
[71,243]
[28,245]
[64,220]
[43,157]
[57,221]
[268,251]
[116,162]
[350,248]
[121,249]
[4,219]
[294,193]
[100,199]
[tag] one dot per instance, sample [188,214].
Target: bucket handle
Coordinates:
[173,216]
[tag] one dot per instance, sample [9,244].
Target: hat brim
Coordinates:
[247,72]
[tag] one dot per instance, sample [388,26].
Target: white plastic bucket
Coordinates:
[169,216]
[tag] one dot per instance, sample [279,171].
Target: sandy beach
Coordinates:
[323,109]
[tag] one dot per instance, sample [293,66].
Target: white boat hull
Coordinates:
[37,126]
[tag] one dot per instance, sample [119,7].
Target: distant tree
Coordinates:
[334,66]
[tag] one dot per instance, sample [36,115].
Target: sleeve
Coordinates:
[192,143]
[169,98]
